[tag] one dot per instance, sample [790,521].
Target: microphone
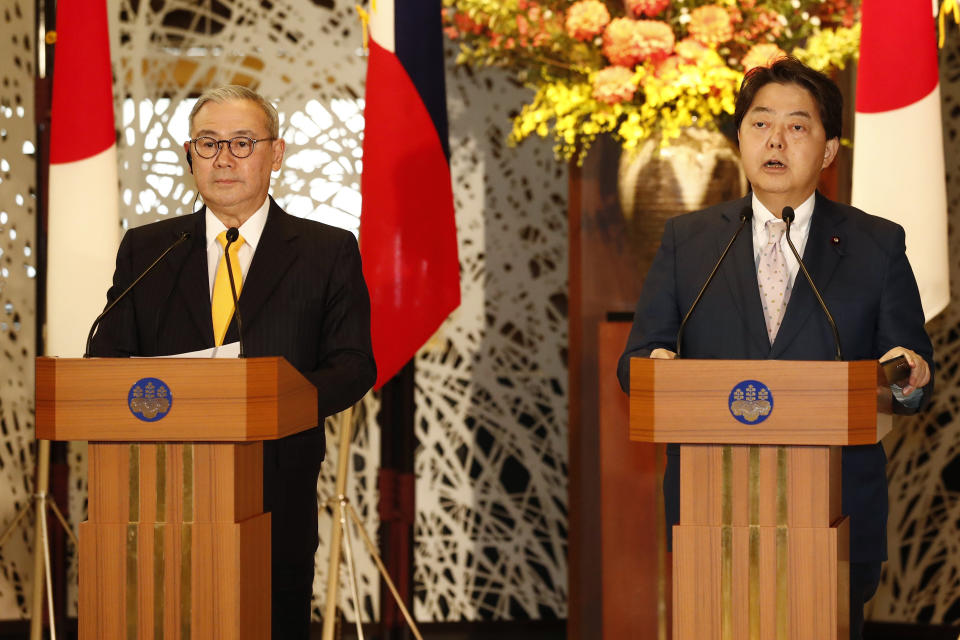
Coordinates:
[745,215]
[788,215]
[184,236]
[232,235]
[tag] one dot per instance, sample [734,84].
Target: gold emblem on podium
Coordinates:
[751,402]
[150,399]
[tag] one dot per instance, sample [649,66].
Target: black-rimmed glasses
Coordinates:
[241,146]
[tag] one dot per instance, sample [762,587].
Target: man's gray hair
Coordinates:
[236,92]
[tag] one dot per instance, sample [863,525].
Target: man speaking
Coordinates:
[788,125]
[301,296]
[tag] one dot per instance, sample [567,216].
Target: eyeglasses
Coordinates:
[241,146]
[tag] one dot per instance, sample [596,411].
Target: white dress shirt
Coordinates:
[250,231]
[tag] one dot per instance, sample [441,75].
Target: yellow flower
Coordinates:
[645,83]
[830,48]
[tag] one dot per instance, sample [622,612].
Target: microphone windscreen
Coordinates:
[787,215]
[232,234]
[746,213]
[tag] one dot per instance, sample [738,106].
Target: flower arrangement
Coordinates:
[641,68]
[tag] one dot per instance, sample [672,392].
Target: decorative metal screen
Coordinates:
[492,384]
[18,220]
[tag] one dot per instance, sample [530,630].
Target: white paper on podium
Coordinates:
[231,350]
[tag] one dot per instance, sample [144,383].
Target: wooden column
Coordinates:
[635,569]
[606,272]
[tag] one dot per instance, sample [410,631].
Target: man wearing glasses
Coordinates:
[301,296]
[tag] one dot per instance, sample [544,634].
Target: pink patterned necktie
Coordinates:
[773,278]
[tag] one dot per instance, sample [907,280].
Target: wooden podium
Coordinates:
[176,545]
[761,550]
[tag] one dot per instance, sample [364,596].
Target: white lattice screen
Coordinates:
[492,384]
[18,211]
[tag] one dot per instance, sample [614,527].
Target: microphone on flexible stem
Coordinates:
[232,235]
[183,238]
[788,215]
[745,215]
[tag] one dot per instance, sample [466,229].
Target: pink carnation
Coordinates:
[586,19]
[627,42]
[710,24]
[613,85]
[762,55]
[649,8]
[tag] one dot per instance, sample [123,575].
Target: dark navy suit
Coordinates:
[858,262]
[303,298]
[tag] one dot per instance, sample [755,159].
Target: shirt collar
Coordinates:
[804,213]
[251,230]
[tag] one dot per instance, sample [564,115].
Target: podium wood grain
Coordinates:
[816,576]
[234,400]
[810,474]
[217,594]
[685,401]
[176,545]
[761,551]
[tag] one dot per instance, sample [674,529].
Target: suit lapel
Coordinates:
[271,260]
[193,279]
[741,273]
[821,259]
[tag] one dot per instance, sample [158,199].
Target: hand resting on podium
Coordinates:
[919,373]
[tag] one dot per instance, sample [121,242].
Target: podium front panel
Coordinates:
[172,399]
[755,402]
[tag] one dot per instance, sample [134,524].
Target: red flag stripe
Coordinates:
[407,228]
[898,54]
[82,110]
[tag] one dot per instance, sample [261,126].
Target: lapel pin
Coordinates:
[835,241]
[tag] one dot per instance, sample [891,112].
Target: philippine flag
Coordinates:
[83,220]
[898,168]
[408,236]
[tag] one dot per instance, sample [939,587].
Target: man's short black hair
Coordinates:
[791,71]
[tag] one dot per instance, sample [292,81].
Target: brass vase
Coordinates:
[696,170]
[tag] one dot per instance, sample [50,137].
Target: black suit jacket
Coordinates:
[858,262]
[303,298]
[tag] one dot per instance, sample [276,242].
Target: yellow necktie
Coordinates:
[222,302]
